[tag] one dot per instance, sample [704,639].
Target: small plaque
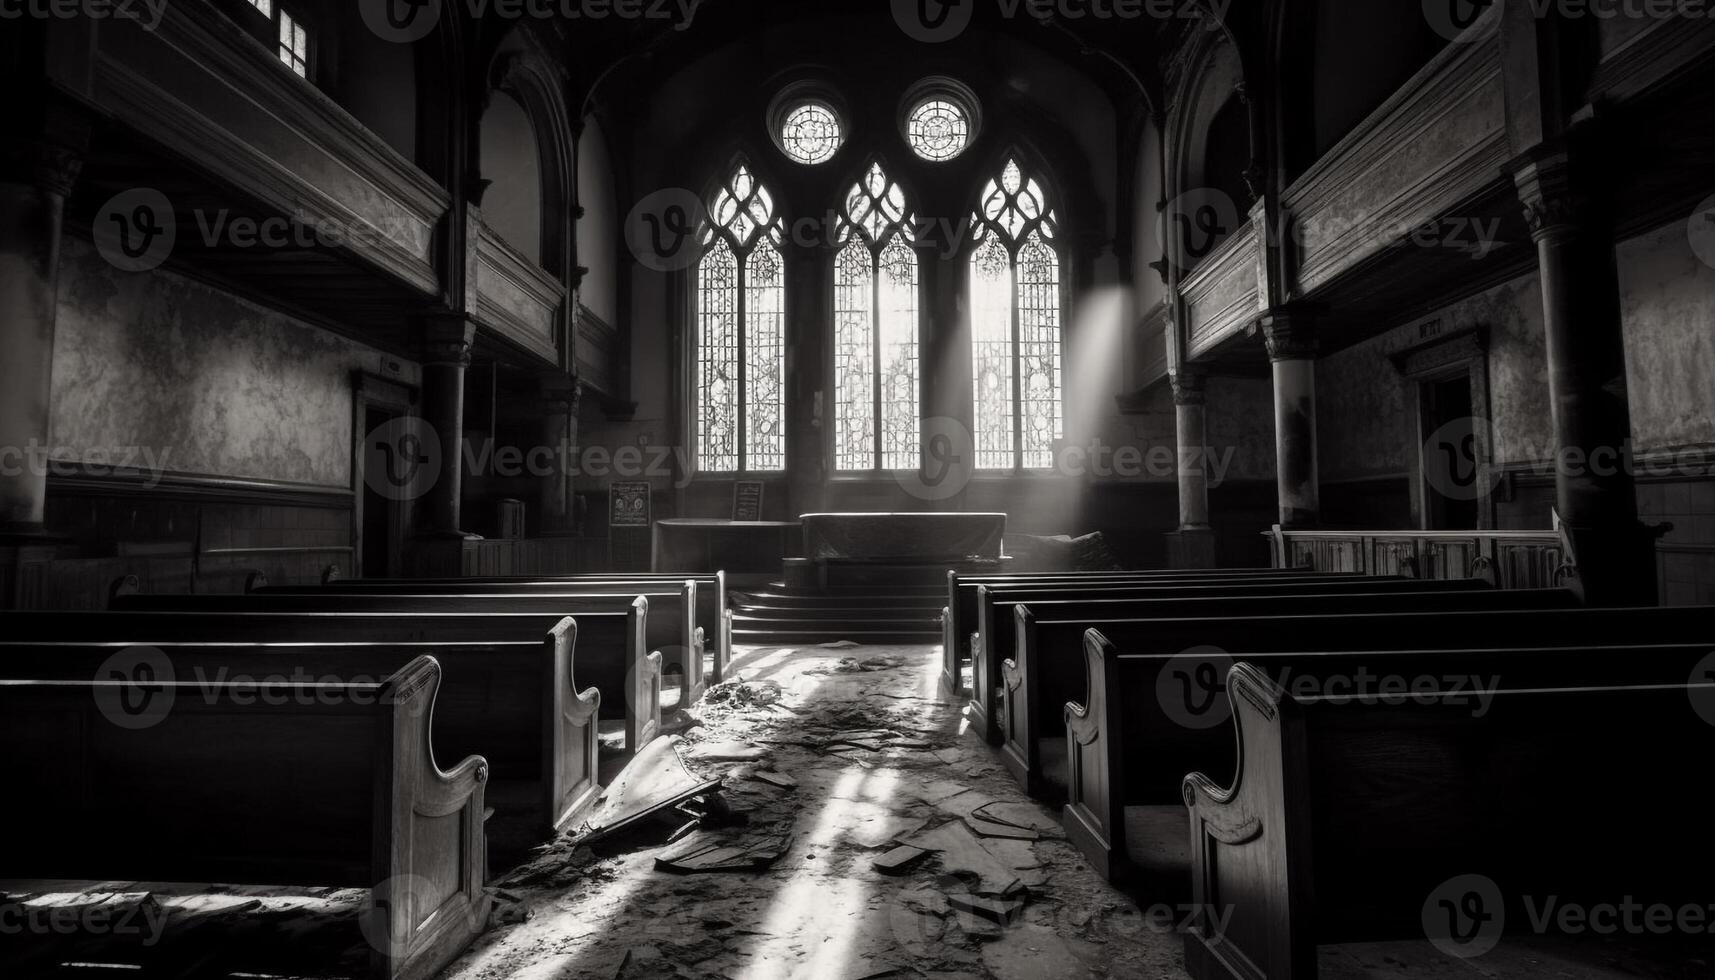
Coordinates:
[747,500]
[628,503]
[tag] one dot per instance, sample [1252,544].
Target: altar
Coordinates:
[878,550]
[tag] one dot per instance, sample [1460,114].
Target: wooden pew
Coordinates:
[1035,688]
[714,619]
[672,628]
[1146,681]
[1349,821]
[958,616]
[612,655]
[991,641]
[514,702]
[336,786]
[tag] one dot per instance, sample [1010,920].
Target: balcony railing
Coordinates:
[1509,559]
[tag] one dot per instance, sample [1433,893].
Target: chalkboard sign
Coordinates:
[628,503]
[747,500]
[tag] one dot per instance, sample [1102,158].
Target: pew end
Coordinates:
[1242,870]
[572,743]
[431,902]
[1094,813]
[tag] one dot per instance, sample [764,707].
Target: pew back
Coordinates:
[671,625]
[516,703]
[328,785]
[1349,820]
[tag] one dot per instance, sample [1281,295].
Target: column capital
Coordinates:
[1548,189]
[446,338]
[1289,334]
[1190,385]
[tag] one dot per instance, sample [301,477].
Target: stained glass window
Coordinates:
[810,133]
[938,129]
[1016,327]
[740,423]
[876,380]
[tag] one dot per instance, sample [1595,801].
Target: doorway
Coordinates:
[1451,462]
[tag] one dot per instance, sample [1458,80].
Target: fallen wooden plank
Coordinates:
[900,859]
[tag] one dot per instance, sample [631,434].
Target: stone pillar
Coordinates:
[1193,545]
[35,179]
[560,397]
[1291,339]
[446,346]
[1594,491]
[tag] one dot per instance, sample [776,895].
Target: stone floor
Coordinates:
[822,910]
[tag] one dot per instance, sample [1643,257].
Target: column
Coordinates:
[560,396]
[1194,542]
[1291,339]
[1594,491]
[35,179]
[446,346]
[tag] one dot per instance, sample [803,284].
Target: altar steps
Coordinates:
[776,616]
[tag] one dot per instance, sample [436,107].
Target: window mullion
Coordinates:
[742,328]
[875,357]
[1017,374]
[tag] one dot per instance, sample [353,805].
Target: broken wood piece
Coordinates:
[698,855]
[988,828]
[962,850]
[731,751]
[772,778]
[654,780]
[900,859]
[1001,911]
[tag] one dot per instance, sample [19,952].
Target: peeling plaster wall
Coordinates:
[210,383]
[1667,304]
[1363,425]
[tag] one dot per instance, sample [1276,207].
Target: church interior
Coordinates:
[991,489]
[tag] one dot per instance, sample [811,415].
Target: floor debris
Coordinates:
[703,855]
[655,781]
[900,859]
[772,778]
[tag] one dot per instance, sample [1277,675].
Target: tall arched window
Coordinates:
[1015,324]
[741,345]
[876,419]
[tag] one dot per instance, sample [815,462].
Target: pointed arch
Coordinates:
[1015,280]
[739,416]
[877,343]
